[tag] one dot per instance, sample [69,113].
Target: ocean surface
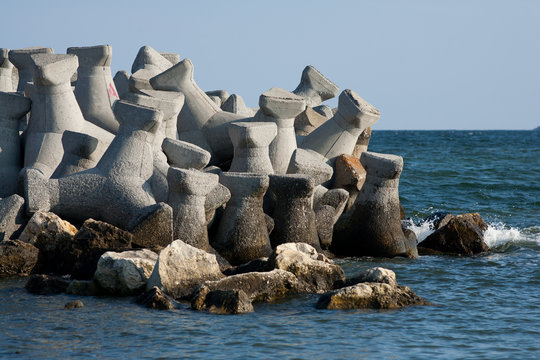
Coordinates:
[486,307]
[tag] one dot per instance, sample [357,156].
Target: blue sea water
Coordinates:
[486,307]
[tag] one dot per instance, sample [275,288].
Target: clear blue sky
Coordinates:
[425,64]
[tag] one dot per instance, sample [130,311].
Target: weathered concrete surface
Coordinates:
[314,87]
[251,146]
[374,227]
[95,89]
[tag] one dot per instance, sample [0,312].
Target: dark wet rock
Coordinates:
[462,235]
[222,301]
[156,299]
[84,288]
[75,304]
[314,271]
[257,265]
[46,284]
[349,175]
[370,295]
[258,286]
[437,220]
[93,239]
[17,258]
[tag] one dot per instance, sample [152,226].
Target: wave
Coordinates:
[497,235]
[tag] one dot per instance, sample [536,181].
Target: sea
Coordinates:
[485,306]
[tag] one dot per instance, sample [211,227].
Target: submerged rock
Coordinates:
[75,304]
[370,295]
[258,286]
[222,302]
[46,284]
[462,235]
[156,299]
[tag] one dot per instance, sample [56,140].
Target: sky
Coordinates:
[425,64]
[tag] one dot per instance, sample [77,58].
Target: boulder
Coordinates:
[374,275]
[93,239]
[46,284]
[222,302]
[84,288]
[258,286]
[156,299]
[180,268]
[75,304]
[315,272]
[17,257]
[54,239]
[437,220]
[48,224]
[462,235]
[370,295]
[125,273]
[257,265]
[349,175]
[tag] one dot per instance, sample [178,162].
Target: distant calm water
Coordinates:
[488,307]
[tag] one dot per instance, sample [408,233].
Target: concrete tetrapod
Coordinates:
[201,121]
[121,83]
[147,64]
[294,218]
[54,110]
[95,89]
[13,107]
[170,107]
[235,104]
[242,234]
[251,141]
[6,72]
[281,107]
[116,190]
[187,195]
[169,123]
[339,134]
[21,59]
[373,227]
[79,154]
[185,155]
[314,87]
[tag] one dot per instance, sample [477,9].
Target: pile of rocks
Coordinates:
[150,164]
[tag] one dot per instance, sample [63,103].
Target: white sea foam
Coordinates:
[422,231]
[497,234]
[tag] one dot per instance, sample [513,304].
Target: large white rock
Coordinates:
[125,273]
[47,223]
[315,271]
[180,268]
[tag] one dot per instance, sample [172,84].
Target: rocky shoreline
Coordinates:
[147,186]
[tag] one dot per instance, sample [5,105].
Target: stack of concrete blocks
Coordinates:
[89,154]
